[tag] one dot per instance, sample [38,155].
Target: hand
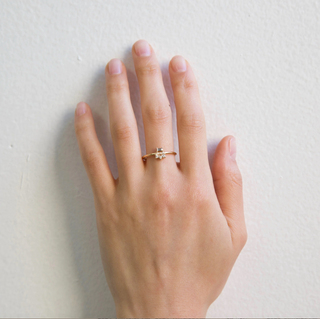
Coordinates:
[169,232]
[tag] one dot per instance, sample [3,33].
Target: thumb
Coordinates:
[228,186]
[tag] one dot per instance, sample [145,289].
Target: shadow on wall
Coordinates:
[76,193]
[79,213]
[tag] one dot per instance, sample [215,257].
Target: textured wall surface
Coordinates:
[257,63]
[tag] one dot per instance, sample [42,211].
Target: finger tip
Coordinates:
[139,41]
[114,67]
[232,148]
[81,108]
[178,64]
[227,138]
[141,48]
[81,103]
[226,149]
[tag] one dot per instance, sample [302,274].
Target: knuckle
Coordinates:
[158,114]
[162,195]
[235,177]
[148,69]
[196,190]
[242,238]
[228,176]
[116,87]
[82,127]
[108,216]
[193,123]
[92,160]
[123,133]
[185,84]
[188,85]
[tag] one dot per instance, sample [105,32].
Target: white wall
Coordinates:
[257,63]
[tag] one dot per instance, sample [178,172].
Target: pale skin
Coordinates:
[169,232]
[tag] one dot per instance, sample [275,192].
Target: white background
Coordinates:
[257,64]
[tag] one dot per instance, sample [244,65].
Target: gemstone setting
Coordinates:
[159,153]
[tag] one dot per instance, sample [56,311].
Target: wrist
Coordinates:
[164,313]
[157,309]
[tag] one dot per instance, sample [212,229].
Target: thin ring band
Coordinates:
[160,154]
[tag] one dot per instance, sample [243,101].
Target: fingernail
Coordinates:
[142,48]
[81,108]
[232,148]
[179,64]
[115,66]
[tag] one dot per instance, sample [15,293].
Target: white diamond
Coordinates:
[160,155]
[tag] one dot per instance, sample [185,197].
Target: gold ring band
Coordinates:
[159,154]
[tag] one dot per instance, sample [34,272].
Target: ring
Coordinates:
[160,154]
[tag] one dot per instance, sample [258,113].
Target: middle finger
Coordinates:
[155,108]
